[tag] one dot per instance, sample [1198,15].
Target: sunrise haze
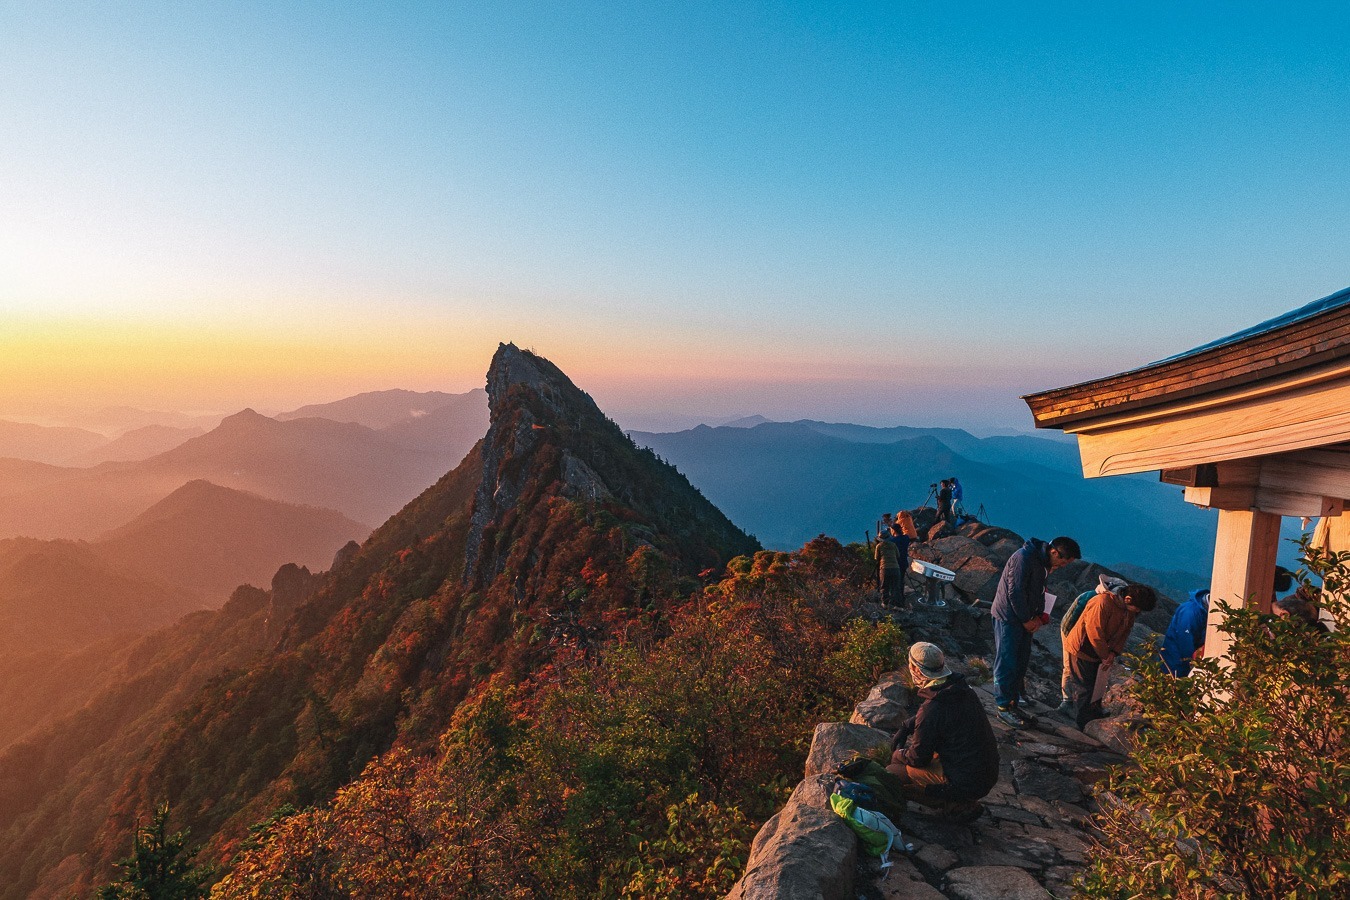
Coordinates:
[885,213]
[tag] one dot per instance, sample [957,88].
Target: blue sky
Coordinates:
[883,213]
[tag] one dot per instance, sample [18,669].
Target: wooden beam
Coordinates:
[1244,568]
[1296,503]
[1312,417]
[1324,472]
[1231,497]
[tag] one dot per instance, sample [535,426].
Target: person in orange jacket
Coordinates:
[1097,638]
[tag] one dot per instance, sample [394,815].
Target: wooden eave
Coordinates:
[1317,342]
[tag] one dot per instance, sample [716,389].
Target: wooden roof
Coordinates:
[1313,337]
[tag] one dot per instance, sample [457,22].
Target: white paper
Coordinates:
[1049,602]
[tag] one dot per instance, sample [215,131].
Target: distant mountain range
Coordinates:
[137,444]
[40,443]
[788,481]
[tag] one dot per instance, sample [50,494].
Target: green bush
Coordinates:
[1240,786]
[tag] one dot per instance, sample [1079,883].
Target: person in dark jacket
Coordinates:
[1019,609]
[1185,635]
[946,753]
[944,502]
[892,556]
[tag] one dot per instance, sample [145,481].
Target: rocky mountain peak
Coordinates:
[548,438]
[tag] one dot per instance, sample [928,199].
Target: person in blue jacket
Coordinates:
[1019,609]
[1185,634]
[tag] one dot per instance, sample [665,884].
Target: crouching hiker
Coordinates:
[1095,641]
[946,754]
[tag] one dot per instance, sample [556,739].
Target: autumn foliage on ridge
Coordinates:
[556,536]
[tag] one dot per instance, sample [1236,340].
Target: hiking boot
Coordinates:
[1026,717]
[1065,709]
[1008,717]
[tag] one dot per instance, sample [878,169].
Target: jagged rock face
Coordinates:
[549,439]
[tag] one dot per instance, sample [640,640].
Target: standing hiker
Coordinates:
[888,555]
[958,498]
[1095,641]
[944,501]
[1106,584]
[1018,611]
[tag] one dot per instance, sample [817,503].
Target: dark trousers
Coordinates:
[1079,682]
[893,587]
[1012,655]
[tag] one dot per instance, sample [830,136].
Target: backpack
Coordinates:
[906,522]
[887,791]
[877,833]
[1074,611]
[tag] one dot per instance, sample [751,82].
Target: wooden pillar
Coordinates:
[1244,567]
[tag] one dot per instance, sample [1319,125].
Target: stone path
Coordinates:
[1031,840]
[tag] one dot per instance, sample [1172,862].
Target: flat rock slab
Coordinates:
[893,887]
[993,883]
[1039,781]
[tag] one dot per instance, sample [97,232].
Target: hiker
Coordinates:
[889,557]
[946,753]
[958,498]
[1185,637]
[1301,610]
[1095,641]
[901,539]
[1106,584]
[1018,611]
[944,502]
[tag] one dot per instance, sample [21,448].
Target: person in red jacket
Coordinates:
[1097,638]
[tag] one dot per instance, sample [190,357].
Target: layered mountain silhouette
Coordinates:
[208,539]
[788,481]
[381,409]
[551,535]
[137,444]
[314,462]
[67,606]
[42,443]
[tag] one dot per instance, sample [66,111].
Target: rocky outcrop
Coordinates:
[549,441]
[834,743]
[803,851]
[886,706]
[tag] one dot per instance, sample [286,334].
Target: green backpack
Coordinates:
[887,788]
[877,833]
[1074,611]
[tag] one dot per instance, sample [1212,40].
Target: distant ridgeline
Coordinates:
[788,481]
[555,537]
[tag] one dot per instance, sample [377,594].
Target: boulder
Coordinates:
[1116,733]
[978,577]
[886,706]
[989,535]
[835,743]
[993,883]
[1005,548]
[803,851]
[939,530]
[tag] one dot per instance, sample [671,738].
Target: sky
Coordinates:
[882,213]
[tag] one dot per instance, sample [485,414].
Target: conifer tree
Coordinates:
[159,867]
